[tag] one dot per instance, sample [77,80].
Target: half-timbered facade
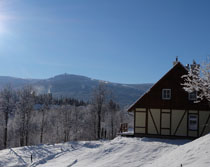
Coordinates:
[167,110]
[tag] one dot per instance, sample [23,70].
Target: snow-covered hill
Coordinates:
[78,87]
[120,152]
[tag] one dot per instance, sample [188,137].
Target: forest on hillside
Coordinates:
[28,118]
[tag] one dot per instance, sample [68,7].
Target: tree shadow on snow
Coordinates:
[167,141]
[91,145]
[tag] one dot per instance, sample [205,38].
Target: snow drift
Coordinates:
[192,154]
[120,152]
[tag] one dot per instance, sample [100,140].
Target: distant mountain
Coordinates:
[15,82]
[79,87]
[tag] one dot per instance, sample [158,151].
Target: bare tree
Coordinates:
[47,99]
[88,122]
[66,111]
[7,106]
[198,80]
[75,121]
[113,108]
[99,100]
[25,106]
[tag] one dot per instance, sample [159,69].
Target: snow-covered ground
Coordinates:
[120,152]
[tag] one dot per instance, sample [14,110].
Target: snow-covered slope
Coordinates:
[120,152]
[193,154]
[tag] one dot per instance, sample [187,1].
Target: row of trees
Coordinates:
[28,119]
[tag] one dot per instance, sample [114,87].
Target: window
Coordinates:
[192,96]
[193,122]
[166,94]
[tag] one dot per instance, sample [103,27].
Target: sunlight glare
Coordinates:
[3,20]
[4,17]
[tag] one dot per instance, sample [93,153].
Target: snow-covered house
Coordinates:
[167,110]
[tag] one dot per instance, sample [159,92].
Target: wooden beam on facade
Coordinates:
[180,122]
[153,121]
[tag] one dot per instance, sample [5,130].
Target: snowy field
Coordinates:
[120,152]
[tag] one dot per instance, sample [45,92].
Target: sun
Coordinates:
[4,17]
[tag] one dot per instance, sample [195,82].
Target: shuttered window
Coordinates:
[193,122]
[166,94]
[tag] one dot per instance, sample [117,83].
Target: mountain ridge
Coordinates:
[79,87]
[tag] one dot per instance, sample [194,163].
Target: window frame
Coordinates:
[190,96]
[166,96]
[193,117]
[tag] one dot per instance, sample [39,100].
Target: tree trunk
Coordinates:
[99,124]
[5,129]
[42,127]
[27,129]
[112,127]
[22,129]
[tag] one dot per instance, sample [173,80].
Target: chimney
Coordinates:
[187,66]
[175,62]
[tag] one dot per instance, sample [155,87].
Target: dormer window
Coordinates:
[166,94]
[192,96]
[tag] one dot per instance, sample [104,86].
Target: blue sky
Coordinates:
[126,41]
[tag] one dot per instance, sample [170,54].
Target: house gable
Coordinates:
[179,97]
[174,115]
